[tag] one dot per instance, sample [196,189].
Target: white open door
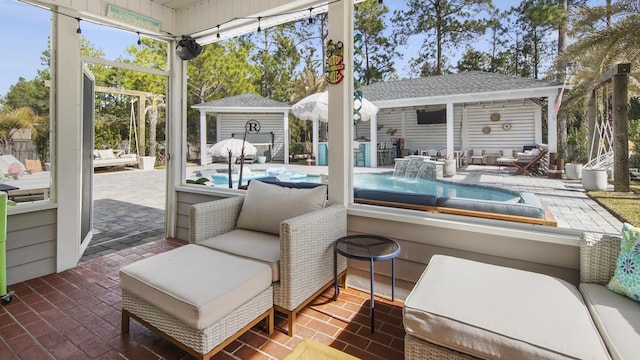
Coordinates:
[88,114]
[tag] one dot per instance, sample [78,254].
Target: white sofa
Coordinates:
[463,309]
[109,158]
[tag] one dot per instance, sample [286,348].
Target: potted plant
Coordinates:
[577,153]
[573,171]
[449,168]
[595,179]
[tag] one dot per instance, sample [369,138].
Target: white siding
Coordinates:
[417,136]
[31,245]
[234,124]
[518,114]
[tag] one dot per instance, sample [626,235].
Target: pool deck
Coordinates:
[566,199]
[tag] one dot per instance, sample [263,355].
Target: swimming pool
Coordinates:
[389,182]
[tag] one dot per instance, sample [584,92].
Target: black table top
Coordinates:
[367,247]
[6,187]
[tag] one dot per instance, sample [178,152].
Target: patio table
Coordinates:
[370,248]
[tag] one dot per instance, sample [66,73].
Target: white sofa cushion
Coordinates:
[497,312]
[618,319]
[106,154]
[251,244]
[265,205]
[195,284]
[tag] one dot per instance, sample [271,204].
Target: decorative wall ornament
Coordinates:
[486,130]
[506,126]
[358,72]
[335,64]
[495,116]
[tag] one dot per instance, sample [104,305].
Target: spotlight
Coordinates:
[188,48]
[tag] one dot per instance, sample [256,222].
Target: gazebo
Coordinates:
[269,123]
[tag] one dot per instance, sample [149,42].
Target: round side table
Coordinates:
[370,248]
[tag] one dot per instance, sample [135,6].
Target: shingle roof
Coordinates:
[247,100]
[451,84]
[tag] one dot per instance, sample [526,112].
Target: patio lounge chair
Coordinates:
[529,166]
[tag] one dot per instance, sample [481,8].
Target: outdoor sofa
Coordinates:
[248,256]
[111,158]
[462,309]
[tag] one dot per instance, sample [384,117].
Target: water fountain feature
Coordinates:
[418,167]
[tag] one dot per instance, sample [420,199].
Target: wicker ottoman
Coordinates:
[198,298]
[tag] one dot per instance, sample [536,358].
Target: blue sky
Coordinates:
[26,30]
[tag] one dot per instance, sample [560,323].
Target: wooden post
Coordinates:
[619,84]
[142,102]
[142,97]
[592,142]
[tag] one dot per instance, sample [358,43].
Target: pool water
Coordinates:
[433,187]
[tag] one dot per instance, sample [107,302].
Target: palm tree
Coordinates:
[606,35]
[13,120]
[156,102]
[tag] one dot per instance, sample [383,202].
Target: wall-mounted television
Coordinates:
[432,116]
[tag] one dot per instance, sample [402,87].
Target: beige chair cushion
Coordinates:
[251,244]
[497,312]
[618,319]
[266,206]
[195,284]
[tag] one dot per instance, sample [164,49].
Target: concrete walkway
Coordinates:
[128,210]
[129,204]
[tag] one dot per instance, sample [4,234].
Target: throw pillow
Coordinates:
[266,206]
[626,279]
[33,166]
[106,154]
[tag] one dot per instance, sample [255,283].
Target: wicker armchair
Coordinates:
[598,256]
[306,249]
